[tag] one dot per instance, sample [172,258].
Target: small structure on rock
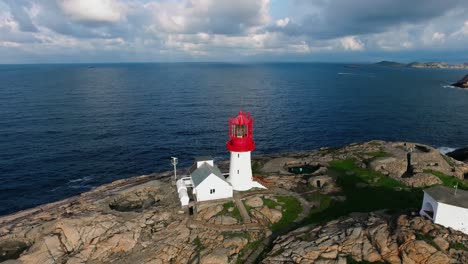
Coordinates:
[207,181]
[447,207]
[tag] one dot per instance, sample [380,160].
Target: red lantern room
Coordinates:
[240,133]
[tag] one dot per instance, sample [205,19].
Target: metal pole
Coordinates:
[174,162]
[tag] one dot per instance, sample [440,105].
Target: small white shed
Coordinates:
[444,207]
[209,183]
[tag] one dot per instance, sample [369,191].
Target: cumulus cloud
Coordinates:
[224,29]
[351,43]
[210,16]
[93,10]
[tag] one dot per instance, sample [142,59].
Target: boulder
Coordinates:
[422,180]
[217,256]
[441,243]
[272,215]
[462,83]
[209,212]
[225,220]
[254,202]
[460,154]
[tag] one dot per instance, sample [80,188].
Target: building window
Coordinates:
[212,191]
[237,171]
[238,155]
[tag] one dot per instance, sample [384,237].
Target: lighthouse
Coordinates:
[241,144]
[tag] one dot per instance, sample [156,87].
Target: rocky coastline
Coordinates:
[462,83]
[324,206]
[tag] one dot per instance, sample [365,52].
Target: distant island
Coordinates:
[431,65]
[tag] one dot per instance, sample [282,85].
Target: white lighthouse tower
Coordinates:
[240,144]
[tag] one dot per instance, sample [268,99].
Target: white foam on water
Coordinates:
[453,87]
[84,179]
[446,150]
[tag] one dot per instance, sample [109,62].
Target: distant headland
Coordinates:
[431,65]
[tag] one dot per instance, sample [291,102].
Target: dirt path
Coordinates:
[243,212]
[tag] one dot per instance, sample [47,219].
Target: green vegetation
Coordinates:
[351,173]
[428,239]
[270,203]
[381,193]
[448,160]
[235,213]
[449,181]
[256,167]
[198,244]
[291,210]
[251,246]
[458,246]
[379,154]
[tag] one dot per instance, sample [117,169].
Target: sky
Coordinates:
[82,31]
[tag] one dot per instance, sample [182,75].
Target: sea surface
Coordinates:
[65,129]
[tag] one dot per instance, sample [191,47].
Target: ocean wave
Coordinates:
[84,179]
[453,87]
[446,150]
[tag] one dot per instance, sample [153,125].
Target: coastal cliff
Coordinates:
[430,65]
[463,83]
[332,205]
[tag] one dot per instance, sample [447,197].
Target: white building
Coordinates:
[208,181]
[444,207]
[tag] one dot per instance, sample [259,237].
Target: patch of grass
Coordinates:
[235,213]
[291,210]
[371,177]
[319,197]
[380,194]
[270,203]
[458,246]
[428,239]
[449,181]
[378,154]
[251,246]
[448,160]
[198,244]
[256,167]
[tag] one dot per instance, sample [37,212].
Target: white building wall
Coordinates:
[240,171]
[452,216]
[222,189]
[184,198]
[432,202]
[199,163]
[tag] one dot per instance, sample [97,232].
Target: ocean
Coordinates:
[65,129]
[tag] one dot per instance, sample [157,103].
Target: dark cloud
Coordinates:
[343,17]
[18,10]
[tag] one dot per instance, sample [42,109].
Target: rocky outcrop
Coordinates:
[460,154]
[139,220]
[438,65]
[254,201]
[372,237]
[463,83]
